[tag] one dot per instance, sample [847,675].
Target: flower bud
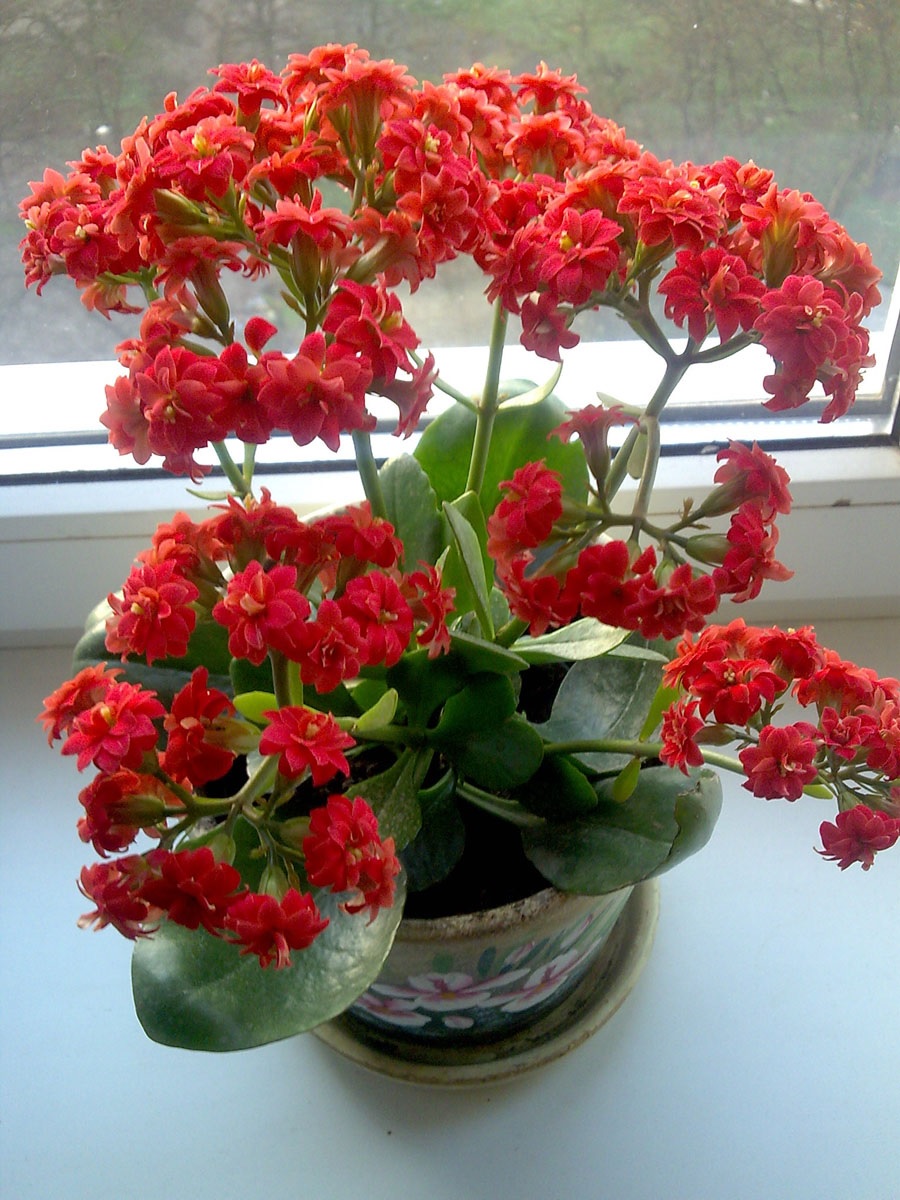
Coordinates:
[273,882]
[708,548]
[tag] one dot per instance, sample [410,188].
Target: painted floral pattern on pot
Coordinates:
[480,984]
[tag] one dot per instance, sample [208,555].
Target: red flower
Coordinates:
[857,835]
[749,475]
[117,806]
[117,731]
[538,599]
[332,648]
[319,393]
[667,610]
[262,611]
[525,516]
[111,886]
[197,727]
[345,853]
[357,534]
[680,726]
[270,928]
[432,604]
[75,696]
[153,618]
[190,886]
[251,82]
[794,653]
[751,557]
[670,203]
[591,424]
[605,582]
[733,690]
[369,320]
[845,735]
[385,621]
[305,738]
[711,288]
[781,764]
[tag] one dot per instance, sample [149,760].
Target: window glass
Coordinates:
[807,88]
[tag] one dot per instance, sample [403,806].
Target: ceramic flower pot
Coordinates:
[477,998]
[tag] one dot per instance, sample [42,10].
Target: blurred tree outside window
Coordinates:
[808,88]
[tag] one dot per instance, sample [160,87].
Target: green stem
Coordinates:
[368,473]
[232,471]
[498,806]
[636,749]
[672,376]
[648,474]
[487,408]
[286,678]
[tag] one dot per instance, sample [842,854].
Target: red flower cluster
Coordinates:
[738,676]
[193,888]
[617,582]
[344,853]
[560,209]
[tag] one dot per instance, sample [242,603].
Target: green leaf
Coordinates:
[198,992]
[468,568]
[667,818]
[380,714]
[248,677]
[252,705]
[558,790]
[497,757]
[438,846]
[394,796]
[424,683]
[478,655]
[485,701]
[606,697]
[413,510]
[586,638]
[520,435]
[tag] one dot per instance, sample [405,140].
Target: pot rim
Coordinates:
[540,904]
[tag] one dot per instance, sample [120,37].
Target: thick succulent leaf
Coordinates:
[478,655]
[394,796]
[558,790]
[486,700]
[438,846]
[467,567]
[497,756]
[605,697]
[521,433]
[667,818]
[198,992]
[582,639]
[413,510]
[424,683]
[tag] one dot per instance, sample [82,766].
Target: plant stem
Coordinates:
[499,806]
[232,471]
[368,473]
[487,408]
[636,749]
[674,371]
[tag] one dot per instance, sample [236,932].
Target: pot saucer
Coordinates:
[596,998]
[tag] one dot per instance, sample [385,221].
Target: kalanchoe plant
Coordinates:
[291,709]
